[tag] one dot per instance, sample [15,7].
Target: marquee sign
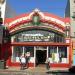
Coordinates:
[37,35]
[33,37]
[41,26]
[34,19]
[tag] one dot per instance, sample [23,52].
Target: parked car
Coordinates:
[72,69]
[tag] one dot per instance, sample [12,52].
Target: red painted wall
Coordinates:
[6,52]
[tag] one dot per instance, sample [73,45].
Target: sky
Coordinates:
[56,7]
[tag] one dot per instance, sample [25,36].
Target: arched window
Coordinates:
[38,36]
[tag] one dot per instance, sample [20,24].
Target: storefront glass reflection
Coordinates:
[58,54]
[19,50]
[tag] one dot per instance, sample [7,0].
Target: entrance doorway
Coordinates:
[41,55]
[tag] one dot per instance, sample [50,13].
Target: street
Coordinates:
[35,71]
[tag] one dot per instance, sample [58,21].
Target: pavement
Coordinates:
[35,71]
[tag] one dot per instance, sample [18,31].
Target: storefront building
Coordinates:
[40,35]
[70,12]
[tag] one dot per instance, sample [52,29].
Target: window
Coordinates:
[73,13]
[67,27]
[38,35]
[63,51]
[58,54]
[19,50]
[67,31]
[74,34]
[74,51]
[52,49]
[73,16]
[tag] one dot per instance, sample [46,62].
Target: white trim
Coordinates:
[57,49]
[12,53]
[47,52]
[44,17]
[34,56]
[18,20]
[67,54]
[55,20]
[12,48]
[23,50]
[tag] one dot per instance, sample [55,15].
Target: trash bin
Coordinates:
[2,64]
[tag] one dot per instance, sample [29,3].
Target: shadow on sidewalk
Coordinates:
[60,72]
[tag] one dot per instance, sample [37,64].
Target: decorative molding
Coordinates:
[42,25]
[42,17]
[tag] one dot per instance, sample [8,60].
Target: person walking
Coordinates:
[22,61]
[47,64]
[27,59]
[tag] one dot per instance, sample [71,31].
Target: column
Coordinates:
[12,47]
[47,52]
[12,57]
[57,55]
[67,55]
[23,50]
[57,49]
[34,56]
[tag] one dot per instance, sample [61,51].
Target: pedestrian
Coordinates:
[22,61]
[47,64]
[60,57]
[27,59]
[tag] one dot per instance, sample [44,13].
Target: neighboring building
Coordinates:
[2,14]
[2,8]
[70,12]
[3,29]
[41,35]
[67,11]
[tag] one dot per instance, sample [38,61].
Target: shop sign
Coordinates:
[34,37]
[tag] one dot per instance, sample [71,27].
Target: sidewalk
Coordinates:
[36,69]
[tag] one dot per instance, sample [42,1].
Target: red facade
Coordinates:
[47,23]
